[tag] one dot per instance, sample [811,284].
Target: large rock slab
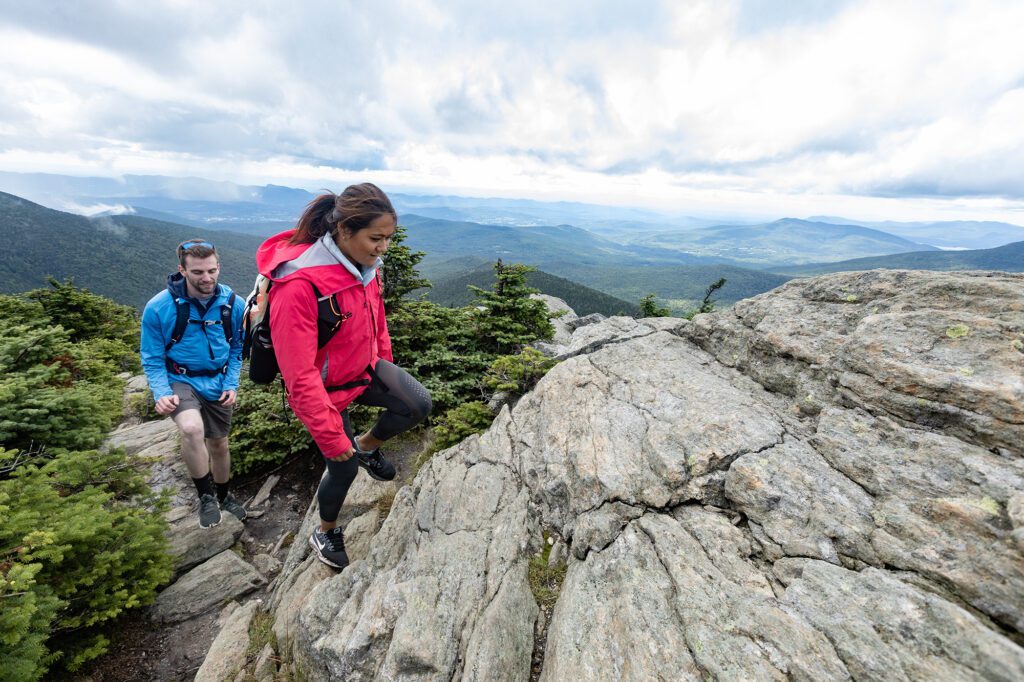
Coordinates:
[823,483]
[443,592]
[934,349]
[225,576]
[144,436]
[885,629]
[642,421]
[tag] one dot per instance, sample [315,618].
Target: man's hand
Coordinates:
[227,398]
[167,404]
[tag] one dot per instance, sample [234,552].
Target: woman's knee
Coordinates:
[421,406]
[417,399]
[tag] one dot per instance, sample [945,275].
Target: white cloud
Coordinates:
[695,102]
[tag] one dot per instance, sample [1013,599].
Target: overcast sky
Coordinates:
[868,109]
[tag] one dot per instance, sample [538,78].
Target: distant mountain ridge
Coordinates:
[543,245]
[956,234]
[789,240]
[1007,258]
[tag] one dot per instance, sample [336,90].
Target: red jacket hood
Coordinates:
[329,276]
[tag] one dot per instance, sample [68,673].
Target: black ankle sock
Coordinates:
[204,485]
[222,490]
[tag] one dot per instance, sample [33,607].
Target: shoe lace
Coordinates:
[335,541]
[374,459]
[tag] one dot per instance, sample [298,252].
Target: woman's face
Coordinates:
[368,244]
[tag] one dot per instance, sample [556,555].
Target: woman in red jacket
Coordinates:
[335,251]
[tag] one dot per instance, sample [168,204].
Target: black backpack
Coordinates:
[258,346]
[182,320]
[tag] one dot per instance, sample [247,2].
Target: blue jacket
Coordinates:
[201,347]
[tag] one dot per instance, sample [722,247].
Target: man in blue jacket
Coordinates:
[192,355]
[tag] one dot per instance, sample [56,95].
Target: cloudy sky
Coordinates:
[871,109]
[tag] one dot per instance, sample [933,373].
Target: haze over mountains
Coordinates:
[625,253]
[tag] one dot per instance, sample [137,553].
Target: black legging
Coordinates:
[405,402]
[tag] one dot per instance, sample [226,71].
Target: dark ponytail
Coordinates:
[352,210]
[315,221]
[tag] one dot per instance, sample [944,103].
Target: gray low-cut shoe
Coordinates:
[233,506]
[209,511]
[329,547]
[375,465]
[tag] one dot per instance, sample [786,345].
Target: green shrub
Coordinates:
[544,577]
[81,540]
[460,422]
[87,315]
[517,374]
[43,406]
[263,428]
[143,406]
[53,391]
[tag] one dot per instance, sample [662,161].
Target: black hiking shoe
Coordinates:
[233,506]
[209,511]
[375,464]
[329,547]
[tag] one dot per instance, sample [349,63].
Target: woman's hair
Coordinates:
[352,210]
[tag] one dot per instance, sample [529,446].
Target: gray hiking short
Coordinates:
[216,417]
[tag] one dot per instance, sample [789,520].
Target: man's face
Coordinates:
[200,275]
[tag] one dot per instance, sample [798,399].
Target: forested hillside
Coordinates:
[454,291]
[126,258]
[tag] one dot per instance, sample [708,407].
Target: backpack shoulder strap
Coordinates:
[226,313]
[181,314]
[328,317]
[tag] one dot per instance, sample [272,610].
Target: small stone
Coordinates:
[266,564]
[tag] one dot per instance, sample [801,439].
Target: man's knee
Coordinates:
[217,446]
[190,423]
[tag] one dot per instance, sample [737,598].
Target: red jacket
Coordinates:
[360,342]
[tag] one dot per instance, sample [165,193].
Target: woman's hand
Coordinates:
[346,455]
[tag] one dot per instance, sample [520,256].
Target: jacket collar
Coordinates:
[365,276]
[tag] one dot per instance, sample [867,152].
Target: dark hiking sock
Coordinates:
[222,489]
[204,485]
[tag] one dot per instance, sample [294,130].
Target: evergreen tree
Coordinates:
[649,307]
[399,272]
[52,392]
[506,318]
[438,347]
[707,304]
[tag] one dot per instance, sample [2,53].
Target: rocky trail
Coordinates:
[230,567]
[825,482]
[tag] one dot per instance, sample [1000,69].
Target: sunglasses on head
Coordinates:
[186,247]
